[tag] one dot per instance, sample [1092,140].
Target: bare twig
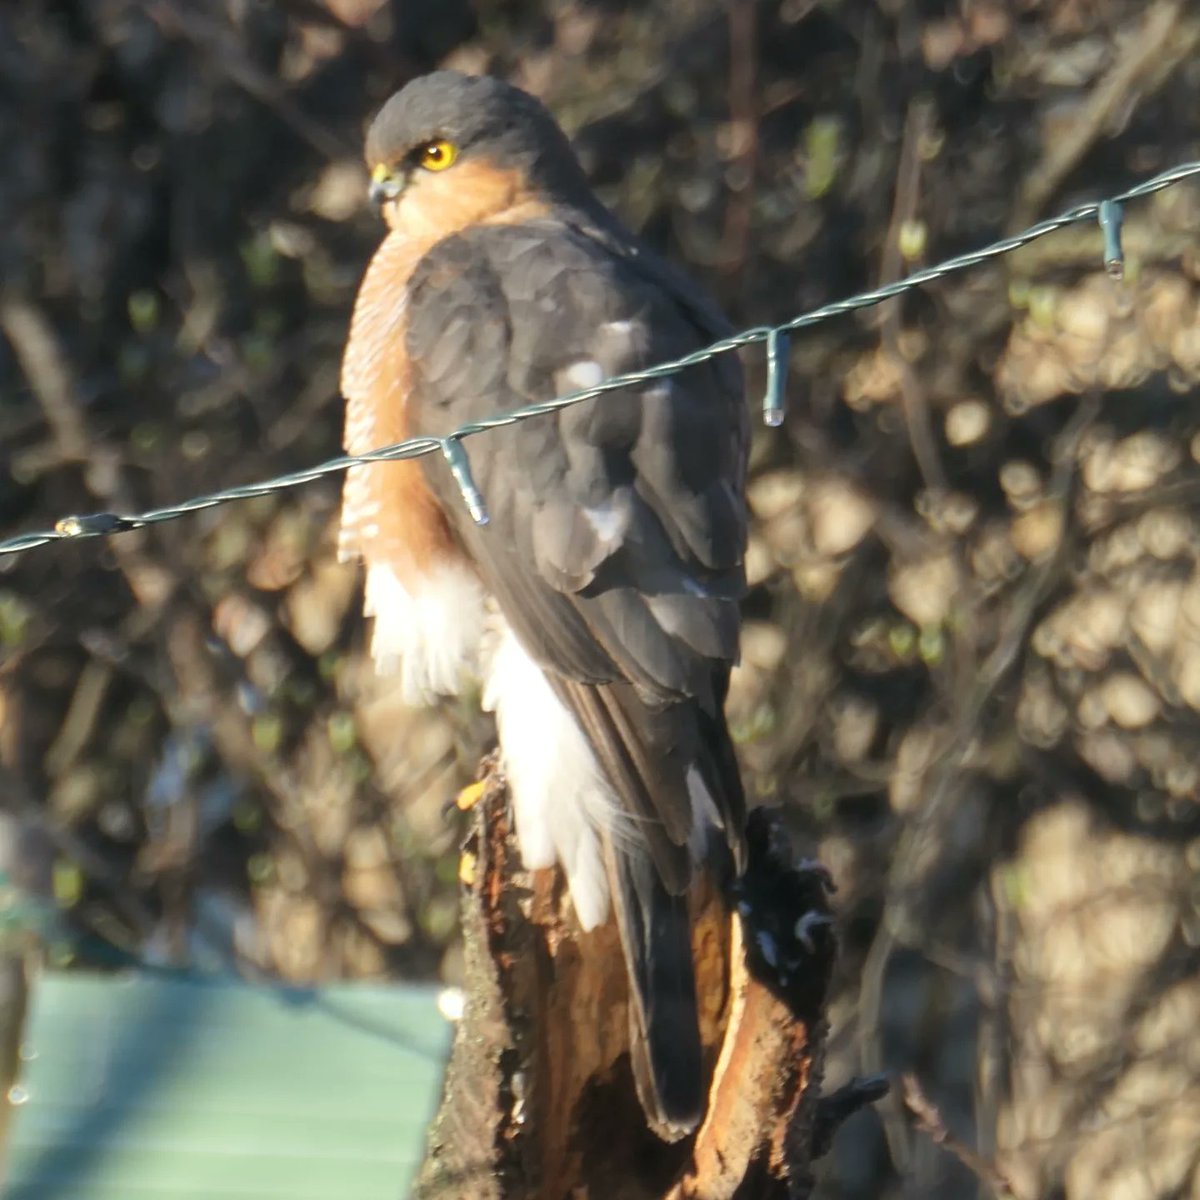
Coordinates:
[931,1123]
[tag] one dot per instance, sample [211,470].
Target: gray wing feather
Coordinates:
[617,528]
[644,482]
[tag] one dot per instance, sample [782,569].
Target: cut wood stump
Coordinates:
[539,1100]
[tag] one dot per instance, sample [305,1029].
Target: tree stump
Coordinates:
[539,1100]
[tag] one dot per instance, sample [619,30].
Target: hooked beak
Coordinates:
[386,185]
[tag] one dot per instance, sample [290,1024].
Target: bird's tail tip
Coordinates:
[668,1076]
[664,1023]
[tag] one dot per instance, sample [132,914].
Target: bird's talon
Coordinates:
[805,926]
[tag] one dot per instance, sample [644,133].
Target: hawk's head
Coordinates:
[451,150]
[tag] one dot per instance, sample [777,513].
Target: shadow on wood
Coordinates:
[539,1100]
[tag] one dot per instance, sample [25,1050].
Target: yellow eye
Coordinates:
[437,156]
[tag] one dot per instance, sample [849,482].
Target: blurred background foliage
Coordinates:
[972,654]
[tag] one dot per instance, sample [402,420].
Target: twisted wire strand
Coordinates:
[1108,211]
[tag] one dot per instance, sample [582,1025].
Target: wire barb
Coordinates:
[775,396]
[94,525]
[1111,217]
[460,468]
[1108,212]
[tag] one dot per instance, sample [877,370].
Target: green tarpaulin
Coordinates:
[165,1087]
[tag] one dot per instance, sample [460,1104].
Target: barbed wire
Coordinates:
[1109,212]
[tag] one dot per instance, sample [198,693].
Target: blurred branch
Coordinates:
[743,129]
[227,56]
[14,1000]
[41,359]
[72,847]
[917,130]
[1165,40]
